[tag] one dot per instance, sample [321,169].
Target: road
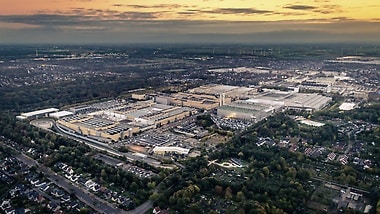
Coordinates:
[143,208]
[104,147]
[341,185]
[82,194]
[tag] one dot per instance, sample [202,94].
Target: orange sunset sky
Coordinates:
[246,21]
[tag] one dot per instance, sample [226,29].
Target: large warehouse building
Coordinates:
[199,101]
[112,121]
[291,100]
[262,104]
[246,110]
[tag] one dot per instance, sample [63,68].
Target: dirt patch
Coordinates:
[316,206]
[43,124]
[136,148]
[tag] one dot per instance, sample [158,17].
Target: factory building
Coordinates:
[199,101]
[139,96]
[263,104]
[291,100]
[206,97]
[98,127]
[37,114]
[246,110]
[313,85]
[118,122]
[60,114]
[162,150]
[230,92]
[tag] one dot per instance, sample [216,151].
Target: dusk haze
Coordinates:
[205,21]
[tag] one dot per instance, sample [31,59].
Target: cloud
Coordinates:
[329,9]
[42,19]
[137,15]
[165,6]
[98,26]
[300,7]
[240,11]
[137,6]
[323,9]
[84,20]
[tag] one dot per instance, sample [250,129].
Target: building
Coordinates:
[139,96]
[109,121]
[199,101]
[246,110]
[291,100]
[60,114]
[37,114]
[229,92]
[98,127]
[374,95]
[162,150]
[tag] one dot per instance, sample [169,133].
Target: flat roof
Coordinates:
[39,112]
[311,123]
[347,106]
[213,89]
[239,91]
[171,149]
[60,114]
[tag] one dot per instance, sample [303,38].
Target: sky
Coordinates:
[189,21]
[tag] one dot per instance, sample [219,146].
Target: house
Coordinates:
[32,195]
[34,181]
[89,184]
[40,198]
[331,156]
[65,198]
[44,187]
[5,204]
[40,184]
[52,205]
[156,210]
[10,210]
[72,205]
[57,193]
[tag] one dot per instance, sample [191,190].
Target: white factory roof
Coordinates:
[175,149]
[213,89]
[39,112]
[60,114]
[239,91]
[311,123]
[347,106]
[291,99]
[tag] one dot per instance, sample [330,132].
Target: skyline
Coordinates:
[199,21]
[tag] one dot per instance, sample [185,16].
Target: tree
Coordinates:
[265,171]
[134,187]
[219,190]
[151,185]
[103,173]
[83,210]
[228,194]
[194,208]
[154,197]
[240,196]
